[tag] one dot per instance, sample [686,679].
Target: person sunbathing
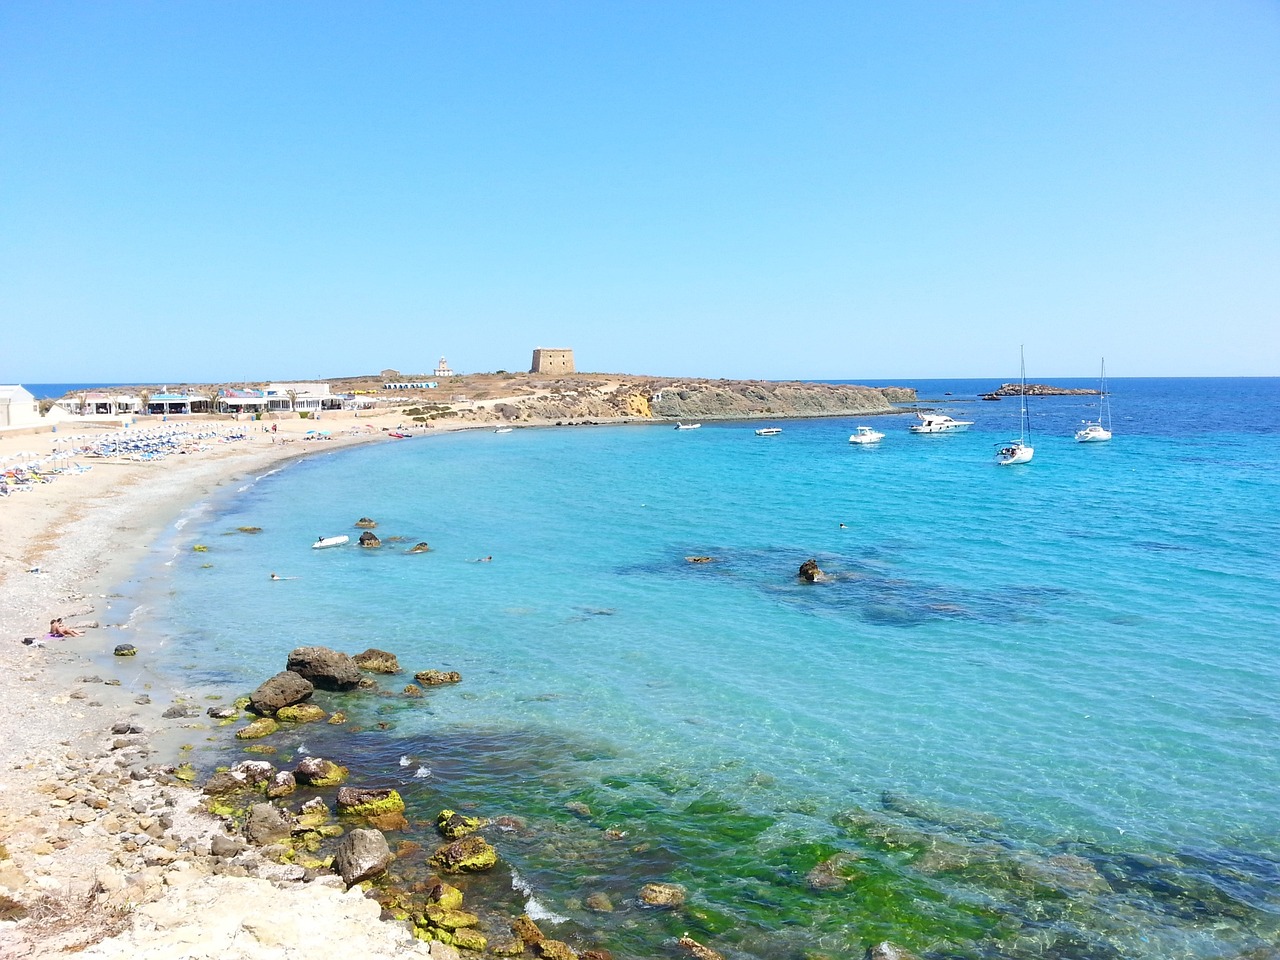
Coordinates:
[58,629]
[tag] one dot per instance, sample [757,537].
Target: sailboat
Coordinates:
[1020,450]
[1100,430]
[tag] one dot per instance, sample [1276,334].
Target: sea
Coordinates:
[1030,711]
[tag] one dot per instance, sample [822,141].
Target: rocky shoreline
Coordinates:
[1037,390]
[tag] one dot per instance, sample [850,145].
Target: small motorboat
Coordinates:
[688,426]
[768,431]
[938,423]
[504,430]
[322,542]
[866,435]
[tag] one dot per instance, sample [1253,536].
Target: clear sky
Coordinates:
[204,191]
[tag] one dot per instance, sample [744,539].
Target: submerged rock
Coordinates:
[666,896]
[283,690]
[262,727]
[369,802]
[421,547]
[301,713]
[327,669]
[377,661]
[832,874]
[697,950]
[887,951]
[362,854]
[524,928]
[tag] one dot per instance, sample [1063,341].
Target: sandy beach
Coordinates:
[101,849]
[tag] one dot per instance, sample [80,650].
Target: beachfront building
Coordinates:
[18,406]
[410,385]
[165,404]
[308,398]
[442,370]
[552,361]
[242,401]
[105,404]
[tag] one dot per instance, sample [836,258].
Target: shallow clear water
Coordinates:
[1040,703]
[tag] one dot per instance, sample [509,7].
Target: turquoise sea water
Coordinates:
[1034,711]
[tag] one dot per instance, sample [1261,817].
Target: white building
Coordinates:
[18,407]
[302,397]
[442,369]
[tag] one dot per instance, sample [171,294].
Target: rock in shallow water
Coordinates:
[327,669]
[362,854]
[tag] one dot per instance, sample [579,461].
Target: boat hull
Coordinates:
[1015,454]
[324,542]
[1093,434]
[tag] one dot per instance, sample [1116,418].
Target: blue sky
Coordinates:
[247,190]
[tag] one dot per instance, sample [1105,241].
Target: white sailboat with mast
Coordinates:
[1020,450]
[1098,431]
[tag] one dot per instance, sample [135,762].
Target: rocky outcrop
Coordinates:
[433,678]
[366,523]
[326,669]
[368,539]
[283,690]
[377,661]
[470,854]
[725,400]
[266,824]
[422,547]
[1039,390]
[361,855]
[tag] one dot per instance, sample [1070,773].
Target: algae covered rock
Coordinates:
[125,650]
[284,689]
[887,951]
[469,939]
[338,718]
[282,785]
[453,825]
[433,678]
[253,772]
[414,691]
[301,713]
[327,669]
[528,931]
[665,896]
[444,895]
[470,854]
[362,854]
[369,802]
[262,727]
[377,661]
[318,772]
[556,950]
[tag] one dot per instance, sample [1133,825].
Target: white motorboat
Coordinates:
[503,430]
[1098,431]
[688,426]
[938,423]
[768,431]
[1020,450]
[866,435]
[322,542]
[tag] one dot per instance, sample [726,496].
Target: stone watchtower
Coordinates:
[552,361]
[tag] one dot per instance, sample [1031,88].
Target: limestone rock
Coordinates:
[664,895]
[266,824]
[282,785]
[284,689]
[125,650]
[327,669]
[422,547]
[366,523]
[362,854]
[377,661]
[556,950]
[224,712]
[599,902]
[368,539]
[524,928]
[253,772]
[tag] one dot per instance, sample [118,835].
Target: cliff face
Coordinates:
[732,401]
[644,399]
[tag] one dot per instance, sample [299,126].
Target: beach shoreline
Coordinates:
[72,871]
